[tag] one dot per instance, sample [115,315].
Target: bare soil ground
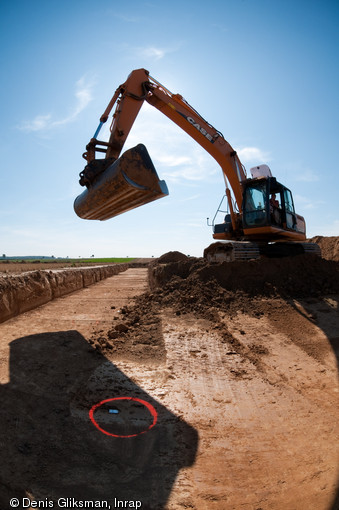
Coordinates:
[238,361]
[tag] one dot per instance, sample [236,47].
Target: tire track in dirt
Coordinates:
[262,443]
[266,432]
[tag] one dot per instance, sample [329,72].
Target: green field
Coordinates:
[102,261]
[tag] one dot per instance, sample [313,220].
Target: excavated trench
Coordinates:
[239,361]
[24,292]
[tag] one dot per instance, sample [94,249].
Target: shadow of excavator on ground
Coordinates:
[51,449]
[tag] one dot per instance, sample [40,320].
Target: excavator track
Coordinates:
[232,250]
[311,248]
[229,251]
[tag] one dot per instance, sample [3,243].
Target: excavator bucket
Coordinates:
[127,183]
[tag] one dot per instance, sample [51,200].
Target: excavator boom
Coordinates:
[260,209]
[108,191]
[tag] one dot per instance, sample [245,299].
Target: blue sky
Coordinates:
[263,73]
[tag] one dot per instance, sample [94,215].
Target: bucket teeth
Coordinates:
[129,182]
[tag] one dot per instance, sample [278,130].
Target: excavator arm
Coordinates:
[119,182]
[128,100]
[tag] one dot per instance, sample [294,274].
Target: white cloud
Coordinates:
[307,203]
[193,225]
[300,172]
[199,166]
[307,176]
[175,155]
[253,155]
[83,95]
[155,52]
[331,229]
[39,123]
[172,160]
[188,199]
[20,233]
[220,27]
[327,229]
[127,17]
[152,52]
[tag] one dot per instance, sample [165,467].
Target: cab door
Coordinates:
[255,205]
[291,221]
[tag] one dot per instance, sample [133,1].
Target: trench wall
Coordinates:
[26,291]
[299,276]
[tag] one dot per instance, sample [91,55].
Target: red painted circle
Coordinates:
[151,409]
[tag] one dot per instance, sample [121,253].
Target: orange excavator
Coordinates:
[260,219]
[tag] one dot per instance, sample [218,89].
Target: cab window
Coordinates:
[255,206]
[255,199]
[288,201]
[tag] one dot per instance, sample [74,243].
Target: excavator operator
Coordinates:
[275,210]
[273,201]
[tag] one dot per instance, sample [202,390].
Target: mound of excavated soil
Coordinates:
[135,332]
[206,290]
[300,276]
[172,256]
[329,246]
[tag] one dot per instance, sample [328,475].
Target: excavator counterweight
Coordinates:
[129,182]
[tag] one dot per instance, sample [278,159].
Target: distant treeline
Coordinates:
[31,257]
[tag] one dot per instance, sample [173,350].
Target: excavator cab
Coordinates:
[267,211]
[115,187]
[268,208]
